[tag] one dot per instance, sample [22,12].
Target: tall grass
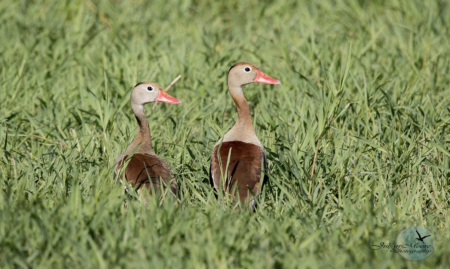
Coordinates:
[357,137]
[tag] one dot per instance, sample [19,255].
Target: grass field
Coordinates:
[357,136]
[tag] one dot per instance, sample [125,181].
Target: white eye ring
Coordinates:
[150,88]
[247,69]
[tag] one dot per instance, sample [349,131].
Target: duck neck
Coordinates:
[143,141]
[244,121]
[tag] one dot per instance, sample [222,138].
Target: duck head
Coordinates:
[148,92]
[243,73]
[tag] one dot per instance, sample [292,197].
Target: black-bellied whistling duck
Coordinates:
[236,158]
[145,168]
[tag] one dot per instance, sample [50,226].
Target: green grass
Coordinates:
[365,89]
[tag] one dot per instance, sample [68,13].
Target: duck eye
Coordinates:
[247,69]
[150,88]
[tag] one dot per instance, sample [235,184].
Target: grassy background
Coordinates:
[365,88]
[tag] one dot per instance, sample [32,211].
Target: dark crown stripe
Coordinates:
[138,84]
[239,63]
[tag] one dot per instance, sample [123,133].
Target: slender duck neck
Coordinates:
[244,123]
[143,139]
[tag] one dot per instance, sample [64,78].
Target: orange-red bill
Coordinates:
[263,78]
[166,98]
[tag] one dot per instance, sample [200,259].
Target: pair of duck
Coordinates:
[237,158]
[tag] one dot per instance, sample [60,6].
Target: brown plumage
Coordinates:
[241,175]
[145,169]
[244,168]
[148,171]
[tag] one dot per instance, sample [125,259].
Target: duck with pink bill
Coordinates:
[238,158]
[143,169]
